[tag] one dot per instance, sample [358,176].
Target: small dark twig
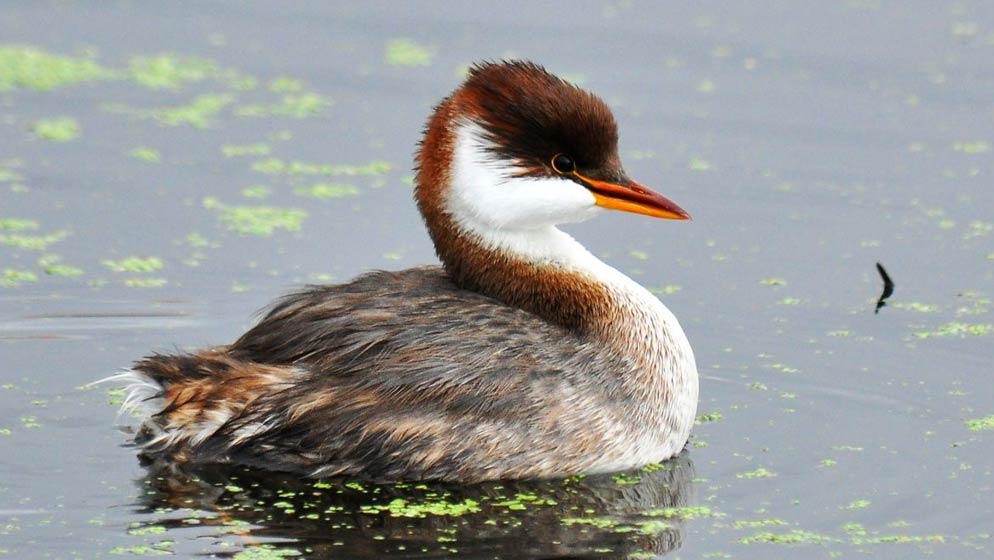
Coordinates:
[888,287]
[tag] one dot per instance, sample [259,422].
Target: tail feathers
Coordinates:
[142,394]
[183,400]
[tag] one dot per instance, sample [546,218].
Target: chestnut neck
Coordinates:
[566,297]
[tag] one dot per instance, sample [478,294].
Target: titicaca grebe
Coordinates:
[522,356]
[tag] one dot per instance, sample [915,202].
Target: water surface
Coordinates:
[170,168]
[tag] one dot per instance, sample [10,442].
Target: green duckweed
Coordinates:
[62,129]
[28,67]
[33,242]
[238,150]
[199,113]
[796,536]
[957,328]
[256,220]
[135,264]
[403,508]
[291,105]
[327,190]
[978,424]
[275,166]
[761,472]
[169,71]
[12,277]
[145,153]
[405,52]
[15,224]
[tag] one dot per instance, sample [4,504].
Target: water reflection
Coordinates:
[629,515]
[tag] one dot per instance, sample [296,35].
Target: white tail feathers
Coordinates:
[143,396]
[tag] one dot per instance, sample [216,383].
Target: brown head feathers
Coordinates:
[532,115]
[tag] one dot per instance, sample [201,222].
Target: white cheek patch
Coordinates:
[485,194]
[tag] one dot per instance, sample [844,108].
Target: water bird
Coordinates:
[521,356]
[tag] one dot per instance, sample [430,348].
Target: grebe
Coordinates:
[522,356]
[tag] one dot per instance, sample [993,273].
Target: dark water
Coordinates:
[809,141]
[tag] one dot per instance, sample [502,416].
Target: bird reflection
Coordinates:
[599,516]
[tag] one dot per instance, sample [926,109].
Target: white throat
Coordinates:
[517,215]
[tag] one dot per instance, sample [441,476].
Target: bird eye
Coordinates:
[563,164]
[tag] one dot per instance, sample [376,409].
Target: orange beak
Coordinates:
[629,196]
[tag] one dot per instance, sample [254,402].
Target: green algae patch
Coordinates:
[11,277]
[197,240]
[957,328]
[160,549]
[796,536]
[649,527]
[622,479]
[684,512]
[772,282]
[858,535]
[899,539]
[33,242]
[327,190]
[285,84]
[972,148]
[761,472]
[135,264]
[978,424]
[240,150]
[667,290]
[757,523]
[28,67]
[266,552]
[256,191]
[709,417]
[276,166]
[653,467]
[915,306]
[522,500]
[145,153]
[978,229]
[402,508]
[699,164]
[598,522]
[63,270]
[169,71]
[53,266]
[139,530]
[145,282]
[15,224]
[256,220]
[296,105]
[62,129]
[199,113]
[405,52]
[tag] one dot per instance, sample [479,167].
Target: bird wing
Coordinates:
[406,372]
